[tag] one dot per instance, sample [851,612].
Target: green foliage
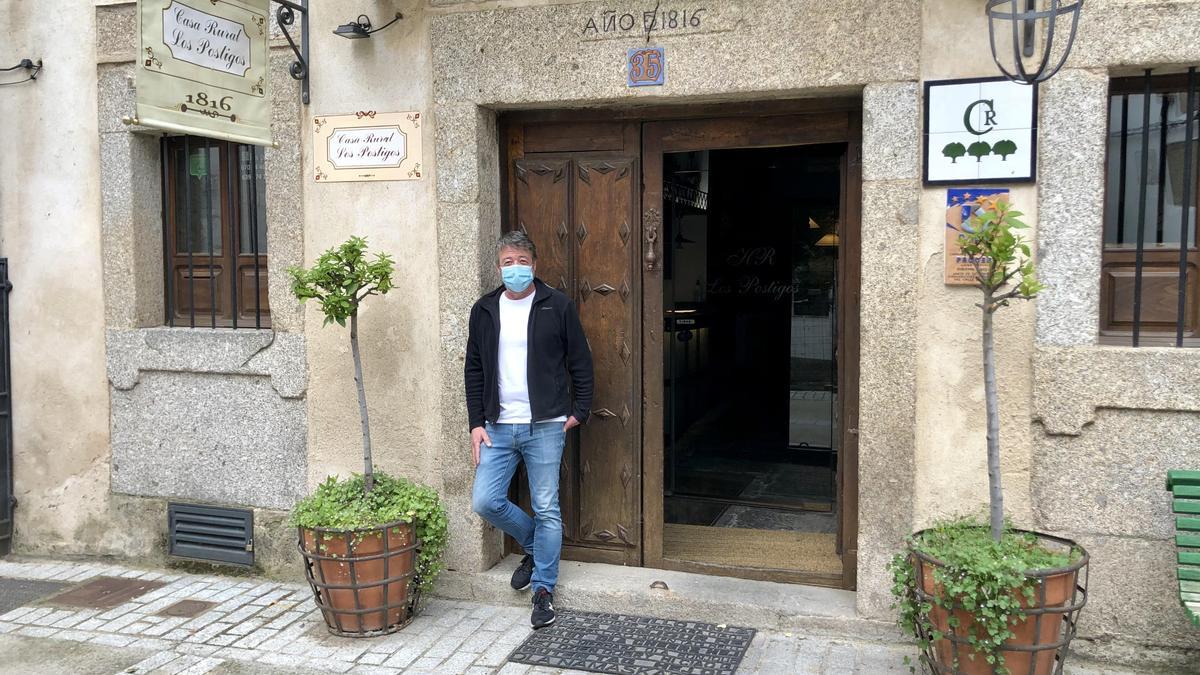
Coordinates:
[954,151]
[979,150]
[1004,148]
[1001,254]
[982,576]
[341,278]
[345,505]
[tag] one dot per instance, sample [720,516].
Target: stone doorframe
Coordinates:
[562,70]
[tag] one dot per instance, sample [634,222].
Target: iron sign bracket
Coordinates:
[285,15]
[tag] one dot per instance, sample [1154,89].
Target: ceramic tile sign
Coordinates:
[980,131]
[960,269]
[646,67]
[367,146]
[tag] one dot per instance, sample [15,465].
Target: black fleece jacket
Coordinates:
[558,350]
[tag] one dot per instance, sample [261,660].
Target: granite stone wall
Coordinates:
[213,416]
[558,56]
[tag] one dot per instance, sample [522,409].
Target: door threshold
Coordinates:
[597,587]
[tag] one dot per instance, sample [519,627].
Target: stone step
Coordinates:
[594,587]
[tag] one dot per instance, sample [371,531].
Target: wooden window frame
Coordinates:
[237,281]
[1123,258]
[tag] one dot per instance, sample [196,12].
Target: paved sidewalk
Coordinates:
[260,626]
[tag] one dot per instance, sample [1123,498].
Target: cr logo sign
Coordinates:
[989,116]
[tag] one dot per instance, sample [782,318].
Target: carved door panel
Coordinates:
[542,189]
[575,190]
[609,479]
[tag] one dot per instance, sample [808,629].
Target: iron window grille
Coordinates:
[214,234]
[1149,282]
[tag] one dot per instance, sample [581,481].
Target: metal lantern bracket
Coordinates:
[1022,23]
[285,15]
[29,66]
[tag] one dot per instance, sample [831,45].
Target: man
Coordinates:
[525,345]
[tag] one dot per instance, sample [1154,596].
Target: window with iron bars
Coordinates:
[215,234]
[1149,292]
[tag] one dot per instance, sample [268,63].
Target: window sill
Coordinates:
[214,351]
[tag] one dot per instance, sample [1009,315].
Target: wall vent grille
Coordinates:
[211,533]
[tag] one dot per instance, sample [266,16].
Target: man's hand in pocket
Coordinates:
[479,436]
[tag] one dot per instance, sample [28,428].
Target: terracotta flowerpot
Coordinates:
[1041,634]
[362,580]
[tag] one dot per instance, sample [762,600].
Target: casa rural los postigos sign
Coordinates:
[202,68]
[980,131]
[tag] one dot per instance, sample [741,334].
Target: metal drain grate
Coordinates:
[188,609]
[211,533]
[105,592]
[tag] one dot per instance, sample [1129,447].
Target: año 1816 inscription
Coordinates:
[612,22]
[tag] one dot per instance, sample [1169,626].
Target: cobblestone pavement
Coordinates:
[264,626]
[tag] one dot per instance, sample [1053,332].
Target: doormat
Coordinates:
[16,593]
[635,645]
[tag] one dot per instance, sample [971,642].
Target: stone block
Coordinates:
[285,172]
[116,228]
[576,52]
[116,32]
[467,151]
[1067,392]
[892,128]
[116,96]
[1151,32]
[1072,133]
[224,439]
[131,229]
[1110,479]
[888,383]
[1132,593]
[222,351]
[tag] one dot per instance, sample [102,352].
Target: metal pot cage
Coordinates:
[1067,614]
[356,621]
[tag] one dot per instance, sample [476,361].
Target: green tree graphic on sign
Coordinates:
[979,150]
[1004,148]
[954,151]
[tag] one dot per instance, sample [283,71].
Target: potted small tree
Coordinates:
[371,543]
[984,597]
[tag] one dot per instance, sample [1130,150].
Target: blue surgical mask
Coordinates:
[517,277]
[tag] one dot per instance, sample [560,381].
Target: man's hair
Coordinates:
[518,240]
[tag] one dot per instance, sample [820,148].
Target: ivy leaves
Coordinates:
[978,575]
[341,278]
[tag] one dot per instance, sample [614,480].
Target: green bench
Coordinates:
[1185,488]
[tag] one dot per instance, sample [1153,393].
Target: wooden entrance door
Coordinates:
[842,127]
[575,189]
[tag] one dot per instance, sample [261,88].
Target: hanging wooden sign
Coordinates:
[203,68]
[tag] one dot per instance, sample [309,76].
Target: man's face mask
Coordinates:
[517,278]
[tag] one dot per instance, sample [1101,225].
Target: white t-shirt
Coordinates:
[512,361]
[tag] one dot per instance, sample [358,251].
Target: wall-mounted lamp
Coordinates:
[1014,29]
[361,27]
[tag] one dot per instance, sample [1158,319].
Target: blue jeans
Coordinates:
[540,445]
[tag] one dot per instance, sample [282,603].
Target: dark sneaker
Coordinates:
[543,609]
[523,573]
